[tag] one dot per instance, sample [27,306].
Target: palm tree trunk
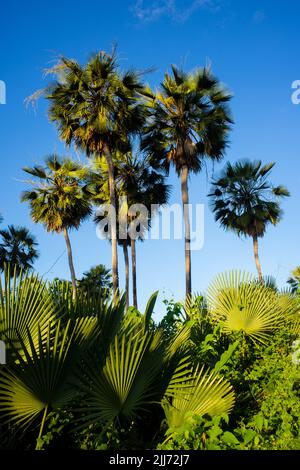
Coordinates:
[126,259]
[187,230]
[133,267]
[257,261]
[113,221]
[71,263]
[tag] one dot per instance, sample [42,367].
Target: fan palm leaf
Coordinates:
[242,304]
[122,388]
[205,393]
[41,378]
[26,308]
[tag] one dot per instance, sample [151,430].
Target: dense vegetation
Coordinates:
[85,369]
[89,374]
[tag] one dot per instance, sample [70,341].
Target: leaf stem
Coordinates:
[38,444]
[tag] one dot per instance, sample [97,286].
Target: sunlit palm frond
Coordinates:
[123,387]
[26,306]
[206,393]
[237,300]
[41,378]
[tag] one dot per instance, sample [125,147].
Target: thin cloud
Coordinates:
[149,11]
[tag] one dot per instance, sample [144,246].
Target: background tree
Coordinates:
[59,200]
[95,280]
[17,247]
[190,122]
[246,202]
[97,107]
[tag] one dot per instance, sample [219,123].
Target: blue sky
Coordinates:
[252,47]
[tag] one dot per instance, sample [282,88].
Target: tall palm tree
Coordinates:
[58,199]
[246,202]
[97,107]
[17,247]
[141,184]
[190,122]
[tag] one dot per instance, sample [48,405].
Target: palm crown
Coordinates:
[18,247]
[96,106]
[58,198]
[190,120]
[244,200]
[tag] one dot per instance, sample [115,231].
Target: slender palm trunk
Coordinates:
[126,260]
[133,267]
[71,263]
[187,230]
[113,221]
[257,261]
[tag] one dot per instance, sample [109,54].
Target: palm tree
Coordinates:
[17,247]
[190,122]
[245,201]
[58,199]
[97,279]
[97,107]
[141,184]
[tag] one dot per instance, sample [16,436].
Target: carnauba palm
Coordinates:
[58,199]
[246,202]
[98,108]
[190,123]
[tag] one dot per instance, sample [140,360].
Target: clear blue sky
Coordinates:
[253,46]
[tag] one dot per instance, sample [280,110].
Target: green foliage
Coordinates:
[207,433]
[174,316]
[26,310]
[242,304]
[205,393]
[89,365]
[275,382]
[40,378]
